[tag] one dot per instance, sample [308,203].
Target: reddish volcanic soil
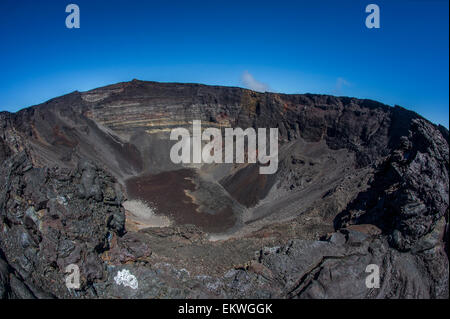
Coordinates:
[166,192]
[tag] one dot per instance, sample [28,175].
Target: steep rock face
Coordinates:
[375,178]
[409,194]
[121,113]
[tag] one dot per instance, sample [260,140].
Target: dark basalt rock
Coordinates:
[409,194]
[40,240]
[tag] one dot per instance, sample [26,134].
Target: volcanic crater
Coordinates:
[352,172]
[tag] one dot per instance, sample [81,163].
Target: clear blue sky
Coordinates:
[288,46]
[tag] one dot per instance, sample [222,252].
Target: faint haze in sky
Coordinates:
[249,82]
[281,46]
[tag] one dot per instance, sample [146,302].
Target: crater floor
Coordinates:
[170,194]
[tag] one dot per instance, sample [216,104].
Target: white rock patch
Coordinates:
[143,215]
[124,277]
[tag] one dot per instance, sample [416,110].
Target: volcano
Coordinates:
[86,179]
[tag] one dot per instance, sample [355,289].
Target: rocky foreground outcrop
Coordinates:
[61,193]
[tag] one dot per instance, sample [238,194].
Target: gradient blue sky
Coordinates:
[289,46]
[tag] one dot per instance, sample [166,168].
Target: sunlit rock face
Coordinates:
[355,178]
